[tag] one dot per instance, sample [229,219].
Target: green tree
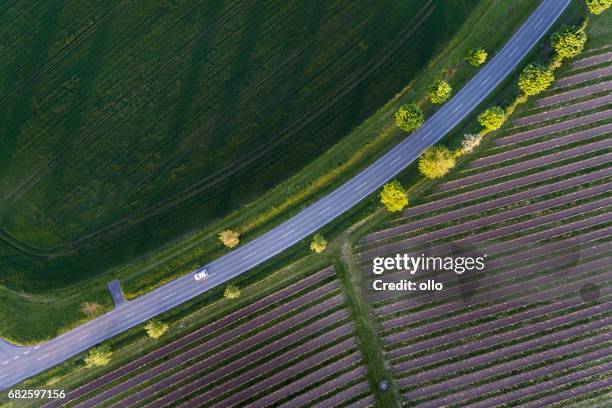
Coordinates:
[231,292]
[598,6]
[155,328]
[493,118]
[534,79]
[409,117]
[394,196]
[318,244]
[439,91]
[476,57]
[229,238]
[436,161]
[568,41]
[98,356]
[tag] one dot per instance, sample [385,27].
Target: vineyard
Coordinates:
[534,199]
[533,328]
[292,348]
[127,124]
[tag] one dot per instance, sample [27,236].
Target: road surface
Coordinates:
[25,362]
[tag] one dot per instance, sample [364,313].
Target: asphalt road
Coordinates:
[21,363]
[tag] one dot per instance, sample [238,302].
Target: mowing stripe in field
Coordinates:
[221,340]
[604,367]
[566,170]
[583,77]
[194,336]
[208,377]
[428,373]
[488,205]
[592,60]
[563,111]
[574,93]
[505,367]
[554,128]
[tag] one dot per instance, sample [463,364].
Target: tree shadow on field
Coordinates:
[280,95]
[226,189]
[357,105]
[86,70]
[208,13]
[240,72]
[205,143]
[20,108]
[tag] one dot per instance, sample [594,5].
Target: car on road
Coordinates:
[201,275]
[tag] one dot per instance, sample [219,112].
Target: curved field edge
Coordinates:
[182,320]
[346,158]
[359,316]
[191,179]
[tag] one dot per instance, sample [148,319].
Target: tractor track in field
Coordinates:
[146,213]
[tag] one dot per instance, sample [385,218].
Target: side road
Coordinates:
[132,313]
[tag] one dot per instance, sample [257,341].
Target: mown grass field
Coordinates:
[127,124]
[29,272]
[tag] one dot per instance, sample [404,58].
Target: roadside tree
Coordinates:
[231,292]
[568,41]
[318,244]
[99,356]
[476,57]
[409,117]
[436,161]
[598,6]
[229,238]
[493,118]
[534,79]
[439,91]
[393,196]
[155,328]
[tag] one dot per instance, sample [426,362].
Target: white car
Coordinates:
[201,275]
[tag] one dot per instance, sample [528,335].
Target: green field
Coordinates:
[128,123]
[144,251]
[345,245]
